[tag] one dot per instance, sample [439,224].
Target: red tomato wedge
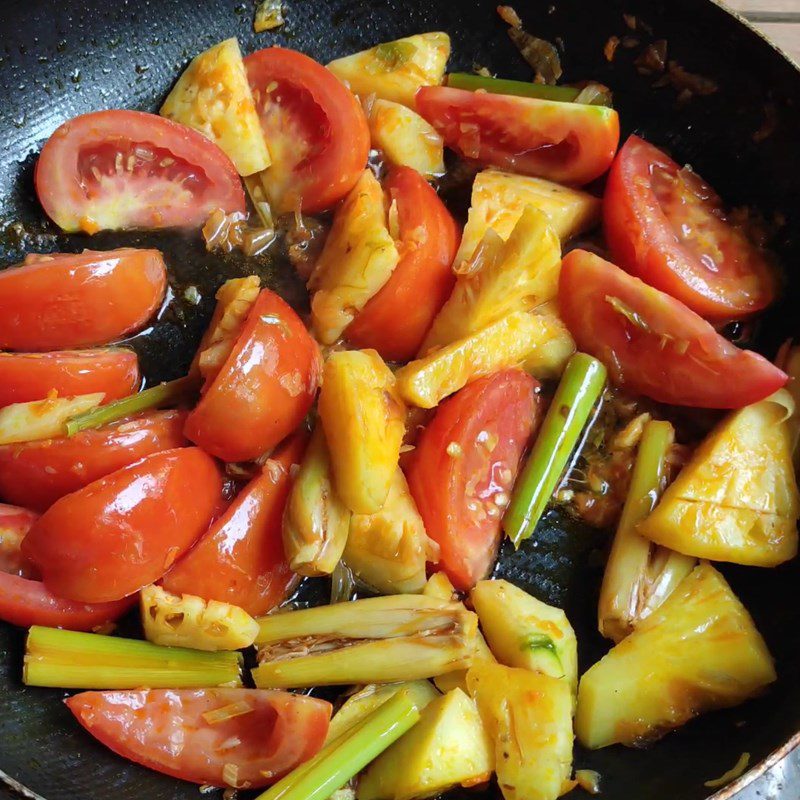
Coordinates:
[169,730]
[32,376]
[240,560]
[565,142]
[264,389]
[394,322]
[15,522]
[36,474]
[667,226]
[121,532]
[78,300]
[315,130]
[654,345]
[463,469]
[113,170]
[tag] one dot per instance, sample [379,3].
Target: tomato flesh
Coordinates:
[463,468]
[165,729]
[15,522]
[653,344]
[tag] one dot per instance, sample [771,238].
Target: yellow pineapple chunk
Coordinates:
[43,419]
[213,97]
[736,500]
[395,70]
[698,651]
[358,258]
[498,199]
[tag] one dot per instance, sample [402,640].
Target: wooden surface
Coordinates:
[777,19]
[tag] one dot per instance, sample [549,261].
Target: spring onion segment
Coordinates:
[541,91]
[577,393]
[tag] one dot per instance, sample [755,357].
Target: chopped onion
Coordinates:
[539,53]
[269,15]
[733,773]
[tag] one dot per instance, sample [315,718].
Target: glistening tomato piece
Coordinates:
[78,300]
[394,322]
[32,376]
[314,126]
[36,474]
[565,142]
[463,469]
[241,560]
[15,522]
[668,227]
[654,345]
[264,389]
[121,532]
[113,170]
[175,732]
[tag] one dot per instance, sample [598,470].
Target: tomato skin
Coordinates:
[315,129]
[646,242]
[121,532]
[394,322]
[678,359]
[112,170]
[91,298]
[264,389]
[240,559]
[15,522]
[36,474]
[32,376]
[164,729]
[564,142]
[504,405]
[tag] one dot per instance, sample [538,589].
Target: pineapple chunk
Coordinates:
[498,199]
[358,258]
[518,338]
[364,423]
[395,70]
[446,748]
[549,358]
[43,419]
[515,275]
[406,138]
[698,651]
[736,500]
[388,550]
[189,621]
[525,632]
[529,718]
[213,97]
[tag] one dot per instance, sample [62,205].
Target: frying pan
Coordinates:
[62,59]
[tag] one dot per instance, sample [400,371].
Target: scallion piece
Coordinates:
[463,80]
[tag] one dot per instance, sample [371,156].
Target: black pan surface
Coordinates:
[61,59]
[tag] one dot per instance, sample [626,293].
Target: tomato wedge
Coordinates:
[121,532]
[32,376]
[36,474]
[240,560]
[314,126]
[169,731]
[113,170]
[264,389]
[667,226]
[464,465]
[565,142]
[15,522]
[78,300]
[654,345]
[394,322]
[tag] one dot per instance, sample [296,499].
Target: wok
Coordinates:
[62,59]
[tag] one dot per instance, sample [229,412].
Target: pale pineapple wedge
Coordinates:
[364,423]
[498,199]
[528,716]
[550,357]
[516,275]
[357,259]
[736,500]
[525,632]
[43,419]
[388,550]
[520,338]
[448,747]
[395,70]
[188,621]
[405,138]
[213,97]
[698,651]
